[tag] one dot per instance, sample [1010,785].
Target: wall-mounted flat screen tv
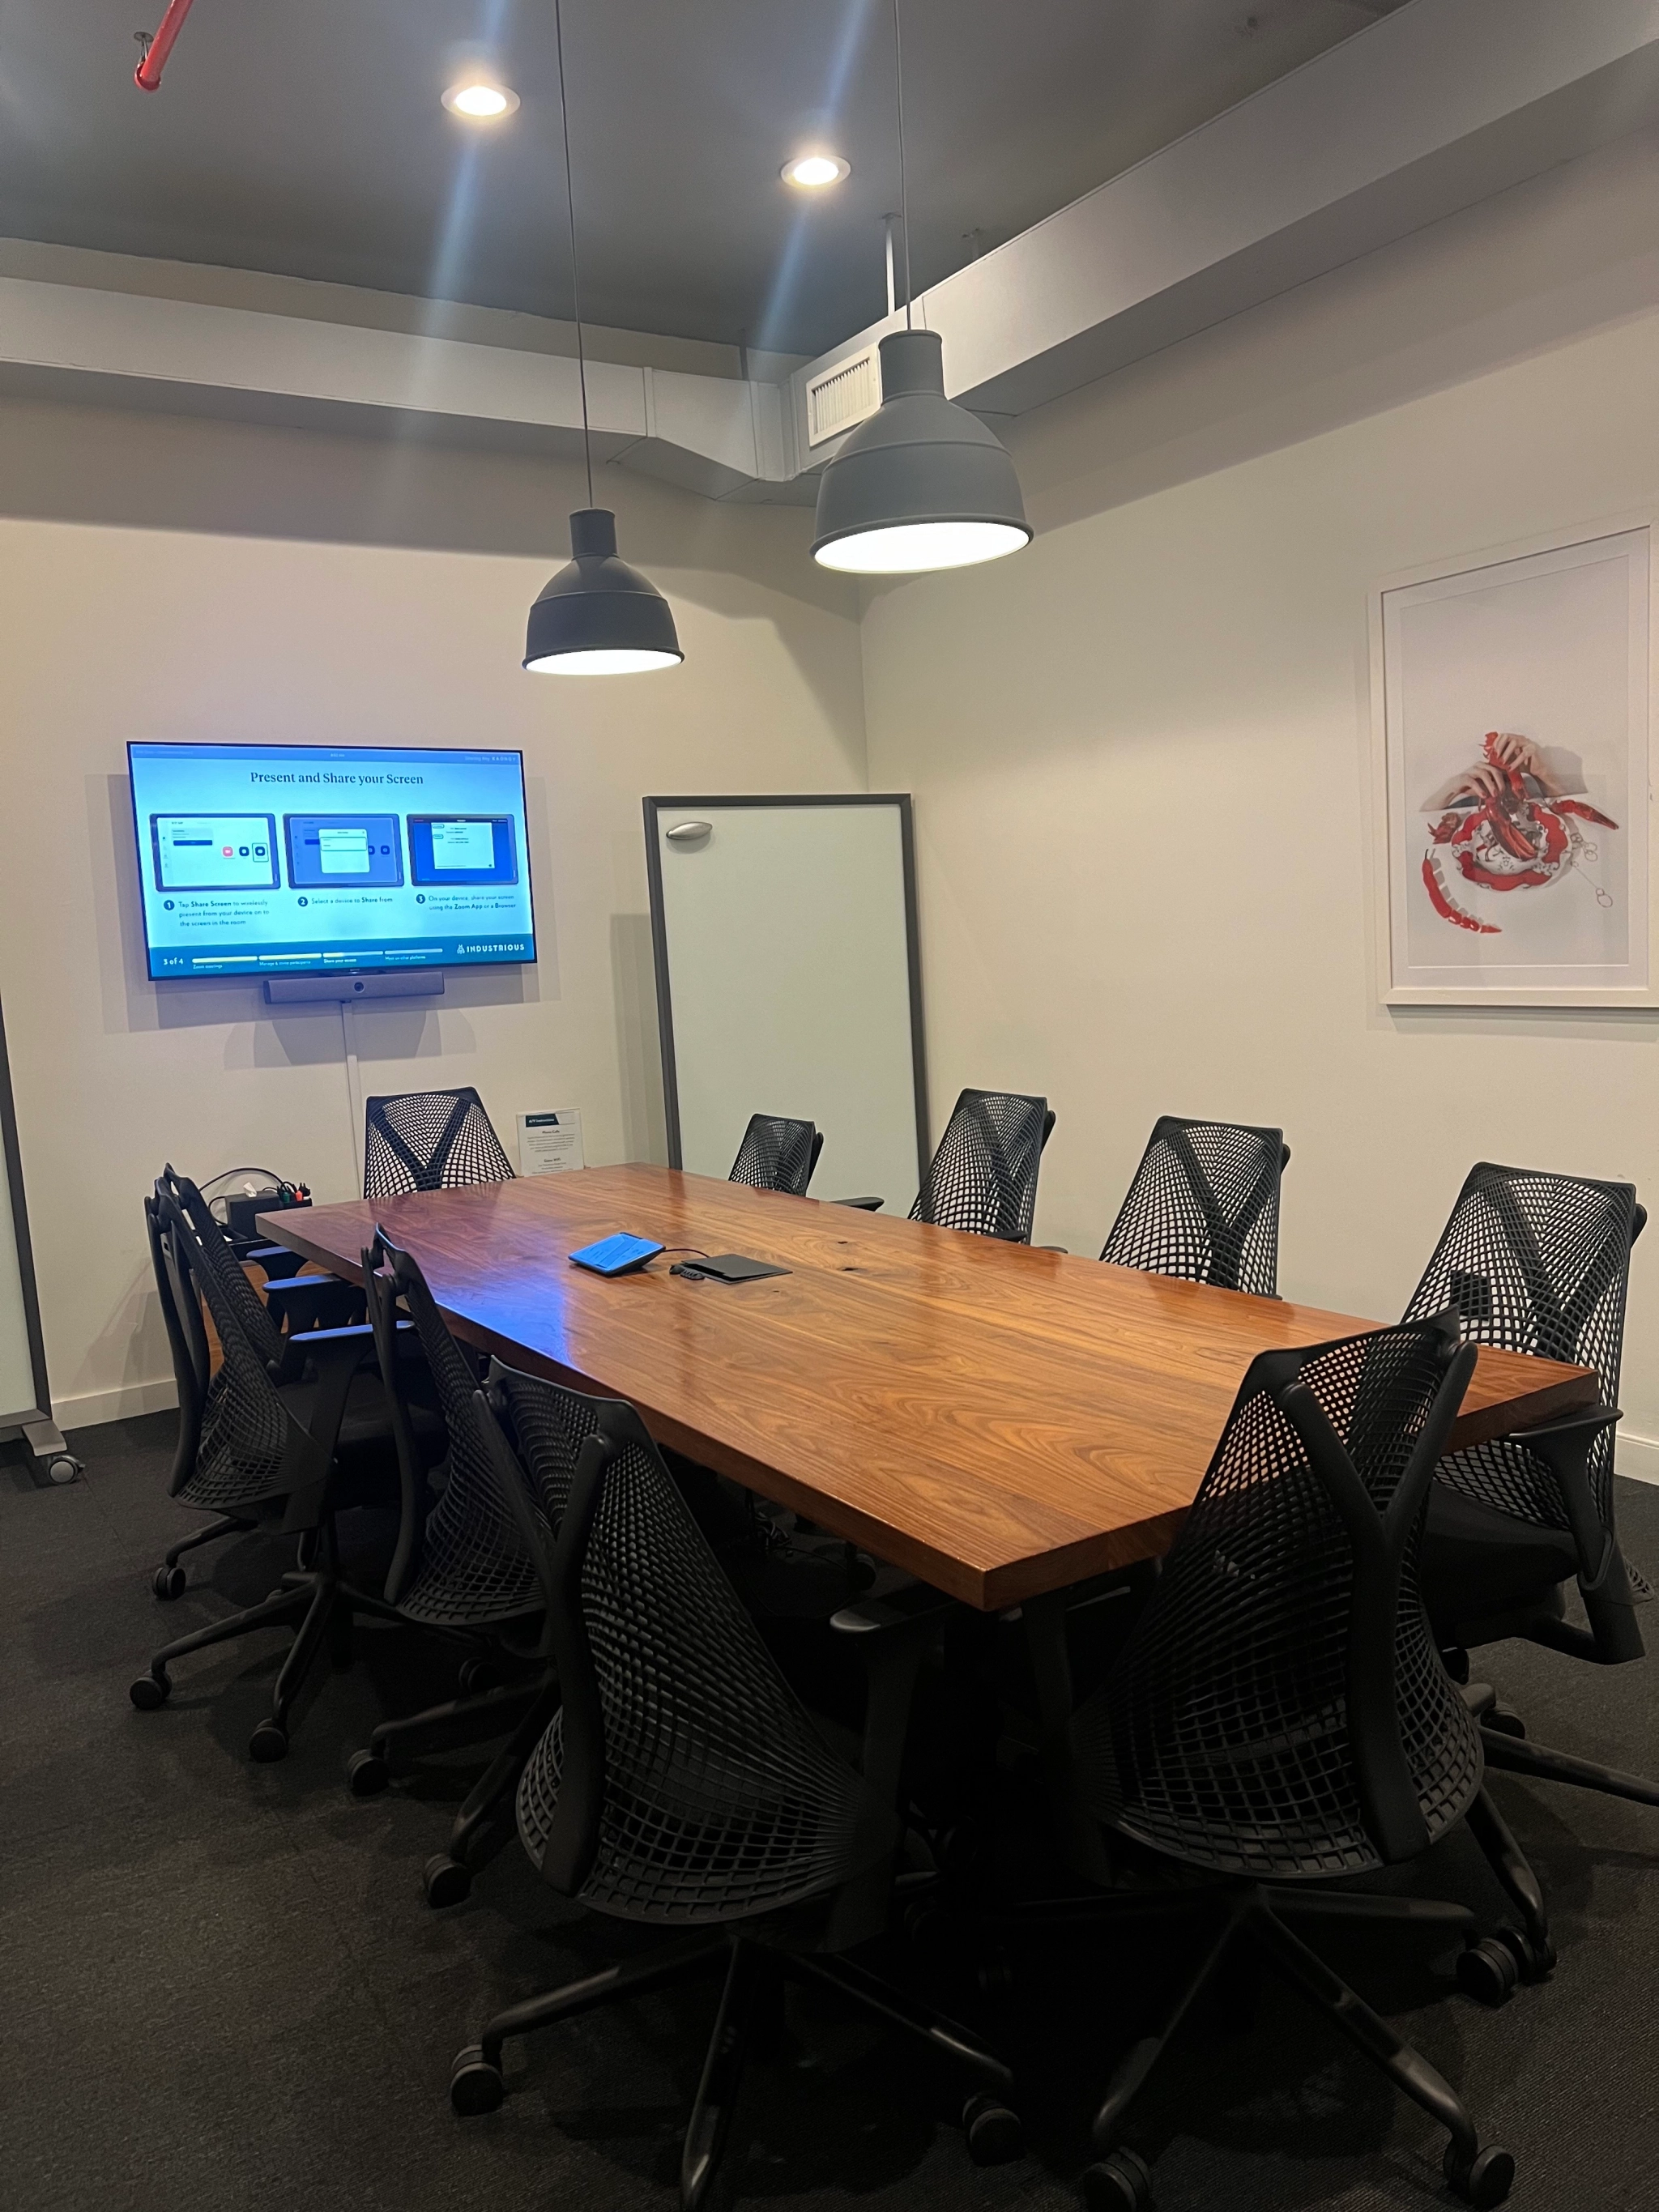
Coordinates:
[295,860]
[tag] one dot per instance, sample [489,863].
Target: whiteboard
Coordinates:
[21,1387]
[787,982]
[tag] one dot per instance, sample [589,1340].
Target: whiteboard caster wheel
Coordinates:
[64,1468]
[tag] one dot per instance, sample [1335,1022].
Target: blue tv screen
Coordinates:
[291,860]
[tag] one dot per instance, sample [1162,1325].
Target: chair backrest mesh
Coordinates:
[472,1548]
[776,1154]
[245,1430]
[983,1178]
[693,1786]
[1536,1263]
[1225,1735]
[181,1316]
[1203,1205]
[213,1255]
[429,1140]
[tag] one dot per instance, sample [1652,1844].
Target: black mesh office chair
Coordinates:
[1536,1263]
[290,1308]
[461,1568]
[684,1786]
[429,1140]
[1203,1205]
[983,1178]
[776,1154]
[283,1444]
[1280,1716]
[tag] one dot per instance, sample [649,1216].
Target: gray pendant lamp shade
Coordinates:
[922,483]
[598,616]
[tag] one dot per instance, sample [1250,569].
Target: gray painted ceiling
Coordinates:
[304,137]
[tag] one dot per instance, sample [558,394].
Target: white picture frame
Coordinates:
[1514,835]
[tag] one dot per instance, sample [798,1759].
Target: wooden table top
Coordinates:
[999,1420]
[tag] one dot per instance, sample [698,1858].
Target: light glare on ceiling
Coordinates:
[480,99]
[812,172]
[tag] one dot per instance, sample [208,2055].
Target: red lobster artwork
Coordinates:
[1507,840]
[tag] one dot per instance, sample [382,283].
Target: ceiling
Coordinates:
[306,137]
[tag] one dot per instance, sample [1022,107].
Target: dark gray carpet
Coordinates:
[220,1985]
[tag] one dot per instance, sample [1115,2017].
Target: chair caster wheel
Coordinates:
[445,1881]
[1534,1962]
[928,1927]
[1487,1971]
[169,1581]
[475,2085]
[1121,2182]
[151,1691]
[1484,2180]
[1504,1721]
[367,1773]
[268,1743]
[995,1974]
[995,2136]
[478,1675]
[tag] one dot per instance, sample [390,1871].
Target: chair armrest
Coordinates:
[335,1344]
[1565,1448]
[914,1606]
[306,1302]
[338,1354]
[1051,1248]
[894,1632]
[280,1262]
[864,1205]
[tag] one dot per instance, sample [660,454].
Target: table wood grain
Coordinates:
[1000,1420]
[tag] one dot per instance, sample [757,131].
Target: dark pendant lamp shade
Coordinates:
[921,484]
[598,616]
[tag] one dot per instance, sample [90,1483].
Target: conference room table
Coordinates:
[1002,1421]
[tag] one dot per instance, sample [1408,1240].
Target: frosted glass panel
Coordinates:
[789,982]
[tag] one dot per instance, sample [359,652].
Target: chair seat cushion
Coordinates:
[1476,1562]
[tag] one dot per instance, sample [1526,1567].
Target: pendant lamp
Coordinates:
[597,616]
[922,483]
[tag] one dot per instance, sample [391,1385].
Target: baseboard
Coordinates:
[89,1409]
[1638,1457]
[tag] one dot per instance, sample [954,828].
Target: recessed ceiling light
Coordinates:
[480,99]
[812,172]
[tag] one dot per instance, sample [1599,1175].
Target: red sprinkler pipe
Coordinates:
[147,74]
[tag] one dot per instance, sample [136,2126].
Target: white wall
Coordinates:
[268,611]
[1140,749]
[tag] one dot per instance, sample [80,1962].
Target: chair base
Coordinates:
[448,1876]
[320,1607]
[1255,1919]
[168,1580]
[1514,1755]
[754,1972]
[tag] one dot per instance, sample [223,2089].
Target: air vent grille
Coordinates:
[843,395]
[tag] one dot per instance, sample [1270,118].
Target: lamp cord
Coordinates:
[575,269]
[904,196]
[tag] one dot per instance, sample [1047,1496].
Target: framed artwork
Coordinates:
[1510,744]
